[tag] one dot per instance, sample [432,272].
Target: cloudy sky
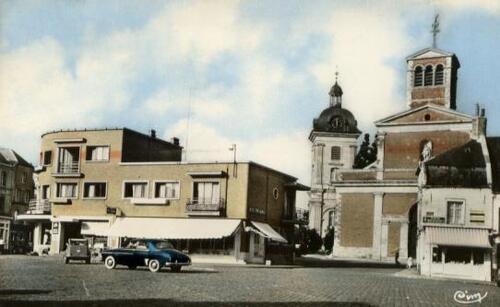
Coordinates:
[214,73]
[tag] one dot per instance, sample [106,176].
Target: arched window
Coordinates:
[418,77]
[428,75]
[439,75]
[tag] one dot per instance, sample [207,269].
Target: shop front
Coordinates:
[453,252]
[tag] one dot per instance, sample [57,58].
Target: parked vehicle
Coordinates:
[151,253]
[77,249]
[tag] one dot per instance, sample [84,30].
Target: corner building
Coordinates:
[115,184]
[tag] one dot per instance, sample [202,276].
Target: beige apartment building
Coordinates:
[112,184]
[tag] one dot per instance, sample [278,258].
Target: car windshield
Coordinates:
[163,245]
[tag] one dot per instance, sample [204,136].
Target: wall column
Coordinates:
[377,225]
[37,236]
[403,240]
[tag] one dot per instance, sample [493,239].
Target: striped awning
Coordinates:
[268,232]
[174,228]
[94,228]
[458,236]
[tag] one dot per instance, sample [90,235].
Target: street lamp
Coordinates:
[233,149]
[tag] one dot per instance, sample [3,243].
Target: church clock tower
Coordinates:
[334,143]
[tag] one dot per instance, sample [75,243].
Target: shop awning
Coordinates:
[173,228]
[268,232]
[454,236]
[95,228]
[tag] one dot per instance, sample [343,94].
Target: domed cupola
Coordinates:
[336,95]
[335,118]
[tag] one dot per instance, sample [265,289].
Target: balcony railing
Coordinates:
[202,206]
[69,167]
[39,206]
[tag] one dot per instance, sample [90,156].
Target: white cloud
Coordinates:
[361,51]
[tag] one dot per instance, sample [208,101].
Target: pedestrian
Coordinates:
[409,263]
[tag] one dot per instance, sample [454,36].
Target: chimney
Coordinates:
[479,123]
[153,133]
[175,141]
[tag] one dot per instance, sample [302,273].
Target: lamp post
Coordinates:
[233,149]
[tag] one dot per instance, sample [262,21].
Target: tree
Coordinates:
[312,241]
[328,240]
[367,153]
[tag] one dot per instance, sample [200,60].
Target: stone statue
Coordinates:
[424,157]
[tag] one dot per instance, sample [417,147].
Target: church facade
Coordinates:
[373,211]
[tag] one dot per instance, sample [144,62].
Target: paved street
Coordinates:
[35,281]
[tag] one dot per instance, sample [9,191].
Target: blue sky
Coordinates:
[212,73]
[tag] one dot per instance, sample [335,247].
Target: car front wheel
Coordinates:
[110,262]
[154,265]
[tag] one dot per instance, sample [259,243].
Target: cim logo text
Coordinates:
[464,297]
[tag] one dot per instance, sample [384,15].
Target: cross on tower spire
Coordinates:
[435,30]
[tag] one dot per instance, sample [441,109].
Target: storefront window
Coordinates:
[436,254]
[458,255]
[478,256]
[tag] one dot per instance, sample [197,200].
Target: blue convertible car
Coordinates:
[151,253]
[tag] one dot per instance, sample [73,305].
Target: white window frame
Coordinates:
[77,189]
[135,181]
[95,181]
[206,181]
[178,196]
[464,210]
[97,146]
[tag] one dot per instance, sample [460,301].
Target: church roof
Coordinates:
[336,119]
[336,90]
[462,166]
[430,52]
[465,166]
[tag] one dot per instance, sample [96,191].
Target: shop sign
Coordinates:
[55,228]
[110,210]
[257,211]
[434,219]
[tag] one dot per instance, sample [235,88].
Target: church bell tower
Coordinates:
[432,76]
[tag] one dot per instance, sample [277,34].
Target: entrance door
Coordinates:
[412,232]
[437,260]
[257,248]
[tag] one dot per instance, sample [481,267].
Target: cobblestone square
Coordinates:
[36,281]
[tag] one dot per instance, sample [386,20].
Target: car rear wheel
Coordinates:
[176,268]
[110,262]
[154,265]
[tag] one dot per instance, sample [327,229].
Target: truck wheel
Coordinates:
[176,268]
[110,262]
[154,265]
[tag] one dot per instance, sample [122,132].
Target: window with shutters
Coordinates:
[336,153]
[428,75]
[97,153]
[66,190]
[455,212]
[439,75]
[167,189]
[418,76]
[135,189]
[94,190]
